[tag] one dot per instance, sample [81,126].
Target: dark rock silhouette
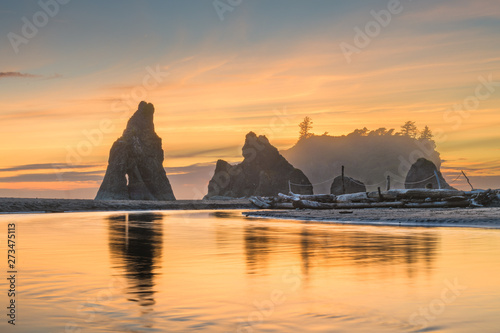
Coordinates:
[422,175]
[351,185]
[263,172]
[135,167]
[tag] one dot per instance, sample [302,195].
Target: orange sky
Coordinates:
[66,95]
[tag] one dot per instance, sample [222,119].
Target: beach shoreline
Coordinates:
[35,205]
[434,217]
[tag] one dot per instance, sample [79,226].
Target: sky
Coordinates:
[73,72]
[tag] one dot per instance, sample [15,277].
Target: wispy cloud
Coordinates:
[52,177]
[48,166]
[21,75]
[4,75]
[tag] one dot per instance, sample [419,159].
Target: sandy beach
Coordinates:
[30,205]
[451,217]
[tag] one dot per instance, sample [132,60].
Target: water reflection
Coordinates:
[415,251]
[135,244]
[225,214]
[258,240]
[332,278]
[335,246]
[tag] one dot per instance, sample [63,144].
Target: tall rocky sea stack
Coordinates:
[422,174]
[135,167]
[263,172]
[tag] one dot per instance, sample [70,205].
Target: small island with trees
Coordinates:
[367,155]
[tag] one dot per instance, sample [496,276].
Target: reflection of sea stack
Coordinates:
[258,241]
[422,174]
[135,167]
[263,172]
[135,244]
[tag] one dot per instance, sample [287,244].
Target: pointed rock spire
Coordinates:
[135,167]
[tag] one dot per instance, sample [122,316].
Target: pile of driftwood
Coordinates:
[410,198]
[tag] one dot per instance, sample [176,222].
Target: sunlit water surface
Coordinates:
[221,272]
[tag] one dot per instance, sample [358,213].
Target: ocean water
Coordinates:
[217,271]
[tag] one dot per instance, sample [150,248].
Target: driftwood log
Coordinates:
[355,197]
[409,198]
[260,202]
[314,197]
[270,203]
[305,204]
[409,194]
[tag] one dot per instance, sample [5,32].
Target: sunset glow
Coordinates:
[68,92]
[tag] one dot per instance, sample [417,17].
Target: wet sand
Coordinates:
[460,217]
[450,217]
[28,205]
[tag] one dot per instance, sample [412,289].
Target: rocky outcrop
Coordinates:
[263,172]
[422,174]
[351,185]
[135,167]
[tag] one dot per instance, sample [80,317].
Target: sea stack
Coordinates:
[422,174]
[263,172]
[350,185]
[135,166]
